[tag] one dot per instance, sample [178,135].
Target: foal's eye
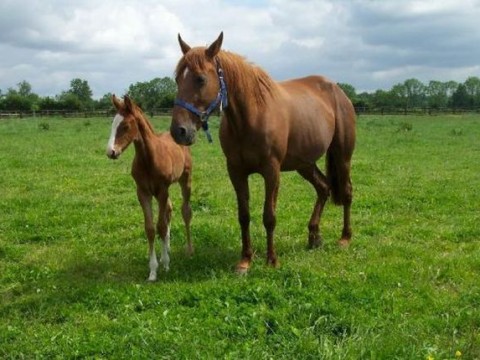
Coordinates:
[201,80]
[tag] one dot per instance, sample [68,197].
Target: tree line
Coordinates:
[413,94]
[154,94]
[159,93]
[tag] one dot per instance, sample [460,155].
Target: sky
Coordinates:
[370,44]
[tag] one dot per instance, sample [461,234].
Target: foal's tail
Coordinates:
[340,152]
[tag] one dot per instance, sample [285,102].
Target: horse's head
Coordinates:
[201,89]
[124,127]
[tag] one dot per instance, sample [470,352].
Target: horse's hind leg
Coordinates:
[163,226]
[146,203]
[186,185]
[272,182]
[347,203]
[313,175]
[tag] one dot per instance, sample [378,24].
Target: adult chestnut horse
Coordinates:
[158,163]
[268,127]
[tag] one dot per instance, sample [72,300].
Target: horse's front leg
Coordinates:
[239,181]
[272,182]
[146,203]
[163,225]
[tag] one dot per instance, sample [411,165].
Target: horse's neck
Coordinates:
[248,95]
[144,145]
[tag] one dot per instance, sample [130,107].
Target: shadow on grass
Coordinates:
[132,267]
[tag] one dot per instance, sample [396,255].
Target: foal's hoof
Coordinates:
[242,267]
[152,277]
[344,243]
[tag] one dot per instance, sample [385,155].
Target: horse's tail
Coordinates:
[340,152]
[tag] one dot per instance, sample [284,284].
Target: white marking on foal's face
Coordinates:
[185,73]
[117,120]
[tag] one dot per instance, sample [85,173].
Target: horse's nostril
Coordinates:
[182,130]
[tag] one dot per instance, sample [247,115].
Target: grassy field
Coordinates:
[73,255]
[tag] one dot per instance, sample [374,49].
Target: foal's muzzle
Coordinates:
[112,154]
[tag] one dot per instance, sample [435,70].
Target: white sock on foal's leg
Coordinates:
[153,266]
[165,259]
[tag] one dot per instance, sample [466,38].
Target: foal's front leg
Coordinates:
[146,203]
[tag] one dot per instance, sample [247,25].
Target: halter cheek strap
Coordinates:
[221,100]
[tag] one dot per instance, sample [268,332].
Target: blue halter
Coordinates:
[221,100]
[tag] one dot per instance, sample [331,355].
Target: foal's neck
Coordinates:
[144,145]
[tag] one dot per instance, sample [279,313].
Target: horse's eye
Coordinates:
[201,80]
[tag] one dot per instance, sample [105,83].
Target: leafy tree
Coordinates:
[349,90]
[24,89]
[364,101]
[157,93]
[20,99]
[105,102]
[70,101]
[472,87]
[82,91]
[382,99]
[437,94]
[415,92]
[460,97]
[48,103]
[399,96]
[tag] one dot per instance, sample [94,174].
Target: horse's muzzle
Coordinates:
[183,135]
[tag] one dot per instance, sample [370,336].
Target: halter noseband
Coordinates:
[221,100]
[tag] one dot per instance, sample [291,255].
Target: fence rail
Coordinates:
[75,114]
[415,111]
[168,111]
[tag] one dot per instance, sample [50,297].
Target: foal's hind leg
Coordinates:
[313,175]
[146,203]
[163,225]
[186,184]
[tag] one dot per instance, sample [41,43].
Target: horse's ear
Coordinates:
[116,102]
[128,103]
[183,45]
[213,49]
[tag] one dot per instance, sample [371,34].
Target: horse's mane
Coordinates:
[241,76]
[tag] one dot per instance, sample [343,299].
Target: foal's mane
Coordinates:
[242,77]
[138,114]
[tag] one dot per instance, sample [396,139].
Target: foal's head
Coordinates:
[124,127]
[197,78]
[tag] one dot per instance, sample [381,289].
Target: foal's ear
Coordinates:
[116,102]
[183,45]
[215,47]
[128,103]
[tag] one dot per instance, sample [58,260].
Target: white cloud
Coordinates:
[111,44]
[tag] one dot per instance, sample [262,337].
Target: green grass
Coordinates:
[73,255]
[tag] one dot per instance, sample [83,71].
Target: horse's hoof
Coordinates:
[189,251]
[314,241]
[274,263]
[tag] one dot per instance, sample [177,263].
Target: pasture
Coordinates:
[73,253]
